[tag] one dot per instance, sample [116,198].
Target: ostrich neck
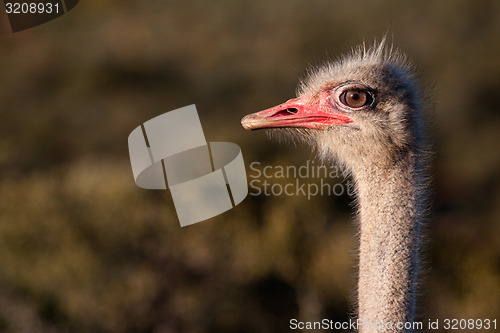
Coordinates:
[389,240]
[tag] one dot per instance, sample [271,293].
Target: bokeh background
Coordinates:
[82,249]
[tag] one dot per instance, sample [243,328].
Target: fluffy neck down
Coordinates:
[390,219]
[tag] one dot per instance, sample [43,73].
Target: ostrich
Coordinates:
[363,111]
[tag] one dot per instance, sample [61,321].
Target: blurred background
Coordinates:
[83,249]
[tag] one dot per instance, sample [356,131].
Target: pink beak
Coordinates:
[297,112]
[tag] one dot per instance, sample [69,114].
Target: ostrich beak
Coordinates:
[297,112]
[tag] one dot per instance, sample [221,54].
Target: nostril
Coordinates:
[285,112]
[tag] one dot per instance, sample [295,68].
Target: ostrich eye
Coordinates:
[355,98]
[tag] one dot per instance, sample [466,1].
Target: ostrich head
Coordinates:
[363,111]
[360,110]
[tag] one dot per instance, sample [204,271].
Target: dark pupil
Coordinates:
[355,99]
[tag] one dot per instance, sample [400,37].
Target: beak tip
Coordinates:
[246,123]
